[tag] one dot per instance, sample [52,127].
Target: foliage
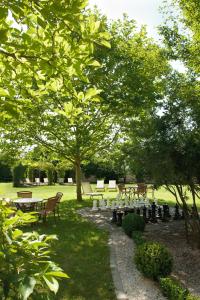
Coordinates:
[181,32]
[153,260]
[18,175]
[172,289]
[5,172]
[138,238]
[55,105]
[25,264]
[132,222]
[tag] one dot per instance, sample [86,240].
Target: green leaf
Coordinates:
[26,288]
[58,274]
[52,283]
[91,93]
[3,92]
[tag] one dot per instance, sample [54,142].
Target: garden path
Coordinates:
[128,281]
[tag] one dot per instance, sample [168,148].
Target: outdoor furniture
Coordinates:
[141,190]
[27,204]
[58,196]
[28,182]
[37,181]
[24,194]
[49,207]
[87,190]
[112,185]
[70,180]
[46,181]
[61,180]
[100,185]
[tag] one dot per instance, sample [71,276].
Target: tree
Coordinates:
[45,92]
[166,147]
[181,32]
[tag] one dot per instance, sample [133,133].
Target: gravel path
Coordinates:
[129,283]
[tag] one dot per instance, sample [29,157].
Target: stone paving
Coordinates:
[128,281]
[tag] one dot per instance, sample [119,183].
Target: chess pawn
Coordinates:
[114,216]
[113,205]
[108,204]
[94,207]
[102,204]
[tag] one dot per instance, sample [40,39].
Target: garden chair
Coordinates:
[46,181]
[49,208]
[100,185]
[87,190]
[58,196]
[70,180]
[24,194]
[37,181]
[61,180]
[28,182]
[25,207]
[112,185]
[141,189]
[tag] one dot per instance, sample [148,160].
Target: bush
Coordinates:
[191,297]
[138,238]
[153,260]
[133,222]
[172,289]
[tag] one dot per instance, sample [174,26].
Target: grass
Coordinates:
[82,249]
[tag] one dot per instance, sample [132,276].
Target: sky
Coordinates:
[143,11]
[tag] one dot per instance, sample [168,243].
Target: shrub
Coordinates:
[191,297]
[172,289]
[138,238]
[153,260]
[133,222]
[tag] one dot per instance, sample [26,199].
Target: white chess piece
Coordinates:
[113,205]
[94,208]
[102,204]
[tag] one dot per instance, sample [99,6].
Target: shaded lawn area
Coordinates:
[82,251]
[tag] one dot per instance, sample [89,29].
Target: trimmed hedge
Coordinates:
[132,222]
[153,260]
[172,289]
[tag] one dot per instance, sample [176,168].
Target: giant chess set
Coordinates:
[149,210]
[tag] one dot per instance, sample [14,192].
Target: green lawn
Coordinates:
[82,249]
[6,190]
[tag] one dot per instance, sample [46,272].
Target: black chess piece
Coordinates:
[153,213]
[165,217]
[160,213]
[144,213]
[114,217]
[138,211]
[149,214]
[177,215]
[119,218]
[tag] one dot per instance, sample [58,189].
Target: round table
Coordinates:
[27,204]
[27,200]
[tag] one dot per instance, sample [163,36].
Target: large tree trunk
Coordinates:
[78,180]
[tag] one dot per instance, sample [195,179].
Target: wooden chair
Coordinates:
[24,194]
[141,190]
[25,207]
[87,190]
[58,196]
[49,207]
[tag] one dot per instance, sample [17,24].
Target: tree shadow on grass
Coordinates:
[82,251]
